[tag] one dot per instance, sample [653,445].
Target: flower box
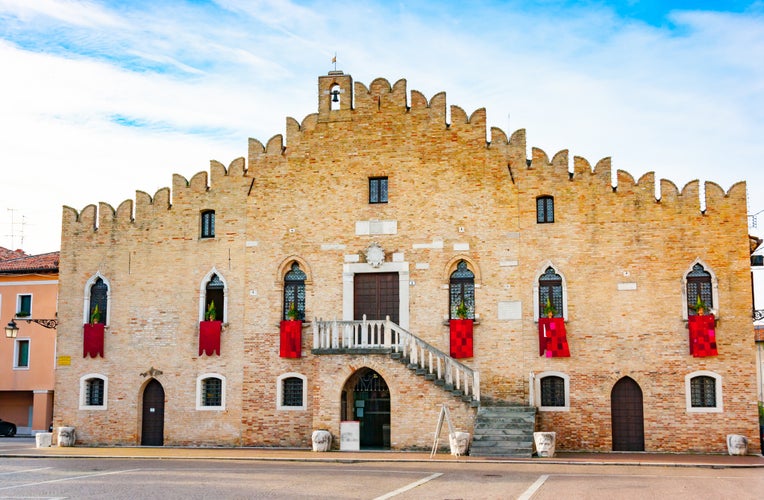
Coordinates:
[209,337]
[290,339]
[461,338]
[92,340]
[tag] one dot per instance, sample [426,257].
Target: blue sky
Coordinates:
[99,99]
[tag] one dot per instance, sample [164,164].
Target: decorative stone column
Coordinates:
[66,436]
[322,440]
[460,442]
[737,444]
[545,443]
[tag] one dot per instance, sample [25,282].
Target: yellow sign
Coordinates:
[64,361]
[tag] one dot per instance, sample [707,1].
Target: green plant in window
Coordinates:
[462,311]
[549,310]
[292,312]
[95,316]
[700,307]
[211,313]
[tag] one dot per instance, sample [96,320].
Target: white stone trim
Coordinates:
[203,294]
[536,381]
[349,270]
[536,305]
[714,288]
[280,391]
[200,388]
[719,408]
[86,301]
[83,392]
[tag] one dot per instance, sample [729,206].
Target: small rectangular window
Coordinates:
[552,391]
[703,392]
[377,189]
[545,209]
[212,392]
[292,392]
[208,224]
[94,392]
[24,306]
[21,359]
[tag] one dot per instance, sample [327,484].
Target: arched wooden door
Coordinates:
[152,428]
[627,416]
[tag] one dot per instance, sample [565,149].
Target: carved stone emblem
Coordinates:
[375,255]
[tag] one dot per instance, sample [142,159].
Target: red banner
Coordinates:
[209,337]
[702,335]
[290,342]
[92,342]
[552,338]
[461,338]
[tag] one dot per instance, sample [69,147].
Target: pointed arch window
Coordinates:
[99,298]
[699,284]
[550,287]
[462,290]
[294,292]
[215,293]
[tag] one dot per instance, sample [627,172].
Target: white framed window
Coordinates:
[97,293]
[94,389]
[551,391]
[24,305]
[703,392]
[550,282]
[213,290]
[291,392]
[21,353]
[210,392]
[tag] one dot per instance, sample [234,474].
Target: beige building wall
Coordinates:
[456,191]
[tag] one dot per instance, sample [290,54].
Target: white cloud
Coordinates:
[133,94]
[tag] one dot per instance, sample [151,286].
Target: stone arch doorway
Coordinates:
[366,399]
[627,416]
[152,423]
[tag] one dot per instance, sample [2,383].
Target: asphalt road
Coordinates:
[48,478]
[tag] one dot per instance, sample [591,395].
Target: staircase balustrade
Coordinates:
[374,335]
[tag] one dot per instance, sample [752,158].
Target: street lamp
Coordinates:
[11,330]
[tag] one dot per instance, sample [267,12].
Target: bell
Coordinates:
[335,96]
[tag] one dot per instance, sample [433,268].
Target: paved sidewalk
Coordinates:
[26,448]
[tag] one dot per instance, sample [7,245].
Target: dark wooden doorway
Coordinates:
[627,416]
[152,429]
[370,406]
[376,295]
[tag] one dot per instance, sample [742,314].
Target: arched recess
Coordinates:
[365,398]
[454,262]
[203,294]
[152,414]
[86,298]
[714,287]
[627,416]
[537,306]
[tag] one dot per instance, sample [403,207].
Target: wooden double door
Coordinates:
[377,296]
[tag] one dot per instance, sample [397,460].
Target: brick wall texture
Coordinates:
[456,191]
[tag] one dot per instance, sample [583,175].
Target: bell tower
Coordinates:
[335,96]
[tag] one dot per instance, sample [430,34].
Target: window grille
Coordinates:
[94,392]
[291,393]
[212,392]
[98,297]
[552,391]
[462,290]
[703,392]
[378,190]
[294,291]
[699,283]
[215,292]
[544,209]
[550,287]
[208,224]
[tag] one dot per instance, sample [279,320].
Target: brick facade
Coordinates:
[454,194]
